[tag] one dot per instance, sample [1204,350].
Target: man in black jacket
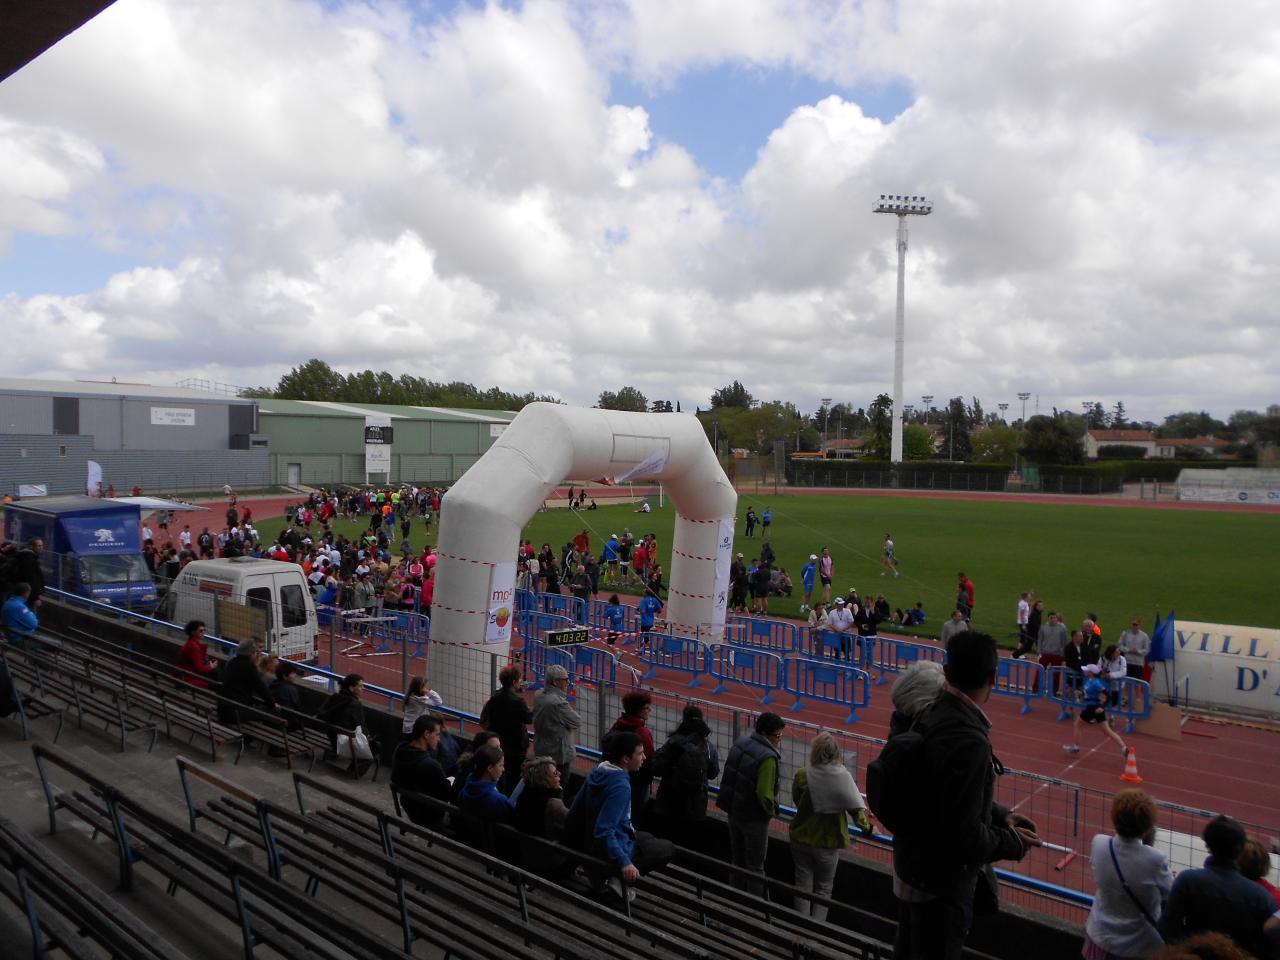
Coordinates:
[508,715]
[955,829]
[414,769]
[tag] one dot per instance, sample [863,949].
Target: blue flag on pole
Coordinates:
[1162,639]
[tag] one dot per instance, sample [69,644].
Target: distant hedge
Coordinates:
[911,475]
[1101,477]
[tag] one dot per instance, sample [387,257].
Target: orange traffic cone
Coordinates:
[1130,774]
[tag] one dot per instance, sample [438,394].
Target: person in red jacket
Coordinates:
[194,662]
[635,713]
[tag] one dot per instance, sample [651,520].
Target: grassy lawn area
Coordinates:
[1118,562]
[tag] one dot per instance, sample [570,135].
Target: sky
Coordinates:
[569,196]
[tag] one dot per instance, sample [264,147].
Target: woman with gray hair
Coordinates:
[825,794]
[918,687]
[243,684]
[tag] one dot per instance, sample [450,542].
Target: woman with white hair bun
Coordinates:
[824,793]
[918,687]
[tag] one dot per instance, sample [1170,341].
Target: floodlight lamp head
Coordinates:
[903,206]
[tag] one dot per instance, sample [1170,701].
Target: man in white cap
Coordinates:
[808,577]
[840,621]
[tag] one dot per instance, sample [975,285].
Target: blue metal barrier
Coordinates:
[828,682]
[1135,701]
[888,655]
[750,668]
[1065,688]
[564,605]
[678,654]
[538,656]
[594,666]
[1023,679]
[775,636]
[847,646]
[526,600]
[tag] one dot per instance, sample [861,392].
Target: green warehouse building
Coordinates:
[320,443]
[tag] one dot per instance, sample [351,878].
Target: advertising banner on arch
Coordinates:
[502,602]
[724,560]
[1236,668]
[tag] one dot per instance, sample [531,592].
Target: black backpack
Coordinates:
[895,778]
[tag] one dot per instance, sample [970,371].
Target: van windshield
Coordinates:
[117,569]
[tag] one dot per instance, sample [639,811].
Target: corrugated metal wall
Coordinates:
[60,463]
[211,430]
[102,418]
[27,414]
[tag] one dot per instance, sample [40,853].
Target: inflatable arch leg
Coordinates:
[487,508]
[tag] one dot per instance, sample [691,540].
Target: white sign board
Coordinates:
[173,416]
[1266,496]
[502,602]
[496,429]
[1228,666]
[377,456]
[33,489]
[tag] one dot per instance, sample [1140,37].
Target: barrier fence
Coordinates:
[1126,697]
[743,667]
[828,682]
[891,656]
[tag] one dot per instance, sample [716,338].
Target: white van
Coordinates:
[276,588]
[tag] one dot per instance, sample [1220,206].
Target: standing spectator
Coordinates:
[635,715]
[749,795]
[916,688]
[808,577]
[955,624]
[580,587]
[1131,882]
[766,521]
[19,616]
[1092,638]
[942,855]
[738,585]
[840,620]
[554,720]
[751,522]
[418,699]
[242,684]
[684,765]
[818,619]
[415,769]
[1077,656]
[600,819]
[965,595]
[194,662]
[1255,864]
[1051,642]
[1116,669]
[1023,617]
[507,714]
[824,795]
[1135,645]
[1218,897]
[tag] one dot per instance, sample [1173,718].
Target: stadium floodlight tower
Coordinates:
[901,207]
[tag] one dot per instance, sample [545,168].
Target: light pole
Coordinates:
[826,418]
[1024,396]
[1003,407]
[928,405]
[901,207]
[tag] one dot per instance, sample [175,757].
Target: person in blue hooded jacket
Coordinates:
[600,818]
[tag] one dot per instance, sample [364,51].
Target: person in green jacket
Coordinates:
[825,794]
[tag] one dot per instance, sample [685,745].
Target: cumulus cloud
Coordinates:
[461,197]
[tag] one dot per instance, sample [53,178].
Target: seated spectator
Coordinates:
[344,710]
[540,809]
[418,699]
[448,750]
[1218,898]
[19,619]
[783,585]
[415,769]
[194,662]
[242,684]
[818,616]
[599,821]
[285,689]
[1256,866]
[917,613]
[481,802]
[482,738]
[1205,946]
[1131,882]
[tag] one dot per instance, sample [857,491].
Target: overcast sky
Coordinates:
[573,196]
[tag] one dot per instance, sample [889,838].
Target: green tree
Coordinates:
[628,398]
[1053,440]
[917,442]
[313,380]
[956,445]
[996,444]
[734,395]
[1119,419]
[1190,424]
[878,437]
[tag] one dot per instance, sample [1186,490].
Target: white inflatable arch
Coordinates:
[485,511]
